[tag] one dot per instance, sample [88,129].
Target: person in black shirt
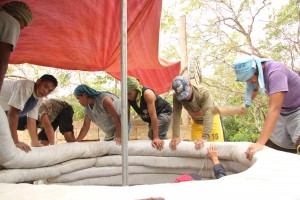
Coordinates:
[151,108]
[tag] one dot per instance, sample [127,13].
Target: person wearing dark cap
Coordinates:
[152,109]
[200,105]
[101,107]
[281,128]
[21,99]
[205,123]
[14,16]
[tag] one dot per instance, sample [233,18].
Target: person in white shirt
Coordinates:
[14,16]
[21,98]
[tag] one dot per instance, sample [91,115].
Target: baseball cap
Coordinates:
[188,177]
[181,86]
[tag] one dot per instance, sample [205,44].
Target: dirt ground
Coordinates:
[139,131]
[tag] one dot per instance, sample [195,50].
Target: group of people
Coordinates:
[23,102]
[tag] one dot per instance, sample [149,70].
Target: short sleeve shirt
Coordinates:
[9,29]
[15,93]
[51,107]
[279,78]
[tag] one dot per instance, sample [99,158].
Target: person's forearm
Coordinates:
[50,133]
[5,51]
[207,125]
[215,161]
[117,122]
[154,124]
[269,125]
[176,126]
[13,125]
[31,126]
[228,110]
[83,132]
[177,109]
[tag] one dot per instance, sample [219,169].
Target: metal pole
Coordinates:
[124,99]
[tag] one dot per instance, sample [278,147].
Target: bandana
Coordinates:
[134,84]
[20,10]
[244,69]
[84,89]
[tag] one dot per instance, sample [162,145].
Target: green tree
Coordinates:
[219,31]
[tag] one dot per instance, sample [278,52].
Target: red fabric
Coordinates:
[85,35]
[184,178]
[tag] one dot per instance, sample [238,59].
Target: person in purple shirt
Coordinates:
[281,129]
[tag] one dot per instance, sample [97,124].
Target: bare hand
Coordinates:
[174,142]
[252,149]
[118,140]
[23,146]
[36,144]
[158,144]
[199,143]
[213,154]
[242,110]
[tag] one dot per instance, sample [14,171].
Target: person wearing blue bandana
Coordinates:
[102,108]
[281,128]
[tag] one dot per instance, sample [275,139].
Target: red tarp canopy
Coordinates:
[86,35]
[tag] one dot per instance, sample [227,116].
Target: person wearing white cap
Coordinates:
[281,128]
[14,16]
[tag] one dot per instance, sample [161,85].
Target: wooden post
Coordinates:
[184,62]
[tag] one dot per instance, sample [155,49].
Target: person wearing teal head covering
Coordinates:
[14,16]
[244,70]
[101,107]
[281,128]
[151,108]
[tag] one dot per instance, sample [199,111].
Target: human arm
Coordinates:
[230,110]
[219,170]
[177,109]
[108,104]
[32,129]
[84,129]
[275,102]
[5,51]
[13,125]
[213,154]
[150,98]
[205,103]
[48,128]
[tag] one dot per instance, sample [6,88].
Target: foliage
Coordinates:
[220,31]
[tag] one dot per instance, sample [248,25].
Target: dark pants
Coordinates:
[64,121]
[22,123]
[269,143]
[164,120]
